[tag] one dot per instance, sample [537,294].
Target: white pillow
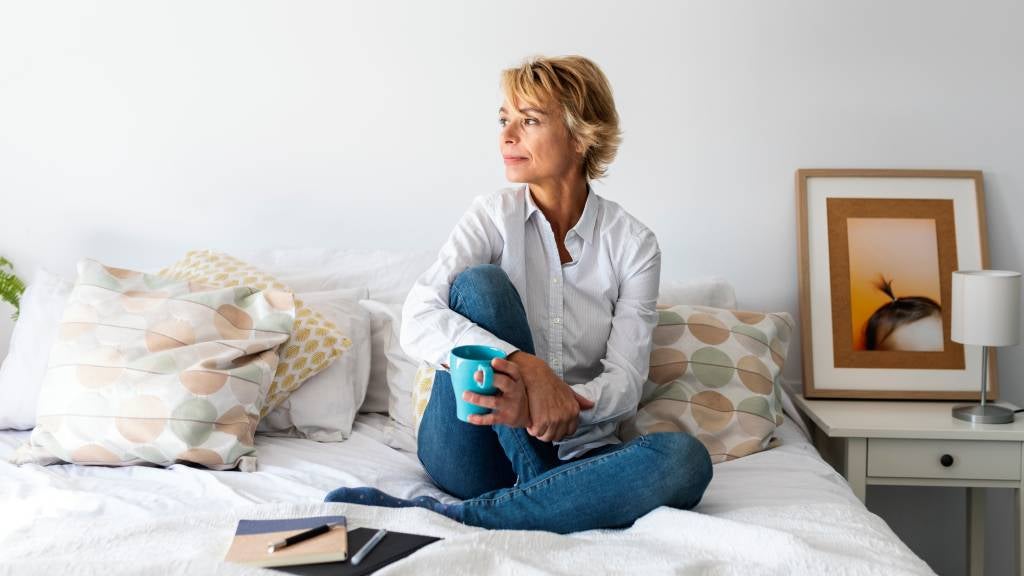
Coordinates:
[391,364]
[711,291]
[388,276]
[325,406]
[376,400]
[24,368]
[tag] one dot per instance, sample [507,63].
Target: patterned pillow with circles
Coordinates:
[147,369]
[715,374]
[315,341]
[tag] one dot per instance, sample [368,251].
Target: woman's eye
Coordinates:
[527,121]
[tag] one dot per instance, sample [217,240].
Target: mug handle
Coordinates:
[487,379]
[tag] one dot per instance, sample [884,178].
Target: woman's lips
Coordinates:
[514,160]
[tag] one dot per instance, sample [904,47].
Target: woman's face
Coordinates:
[535,143]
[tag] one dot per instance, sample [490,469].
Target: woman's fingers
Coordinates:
[555,431]
[503,382]
[506,367]
[483,419]
[561,431]
[480,399]
[495,403]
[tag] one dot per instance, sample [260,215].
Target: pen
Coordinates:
[368,546]
[311,533]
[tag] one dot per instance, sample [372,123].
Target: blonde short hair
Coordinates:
[585,95]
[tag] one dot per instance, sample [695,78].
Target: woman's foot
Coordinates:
[373,497]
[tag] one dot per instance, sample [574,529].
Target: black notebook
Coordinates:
[392,548]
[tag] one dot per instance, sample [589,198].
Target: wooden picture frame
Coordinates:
[876,251]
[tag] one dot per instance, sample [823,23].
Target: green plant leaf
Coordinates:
[11,287]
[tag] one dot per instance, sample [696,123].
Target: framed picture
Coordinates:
[877,251]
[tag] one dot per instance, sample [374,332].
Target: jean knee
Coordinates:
[482,278]
[687,460]
[485,295]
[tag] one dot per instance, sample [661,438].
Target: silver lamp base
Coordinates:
[984,414]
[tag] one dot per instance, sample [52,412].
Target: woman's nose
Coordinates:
[508,134]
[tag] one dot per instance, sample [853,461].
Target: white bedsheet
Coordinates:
[783,511]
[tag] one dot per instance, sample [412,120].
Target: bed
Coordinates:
[780,511]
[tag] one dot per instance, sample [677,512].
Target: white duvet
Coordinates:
[783,511]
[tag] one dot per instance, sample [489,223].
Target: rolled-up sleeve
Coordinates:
[430,329]
[616,391]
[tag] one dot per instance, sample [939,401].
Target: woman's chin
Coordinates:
[518,176]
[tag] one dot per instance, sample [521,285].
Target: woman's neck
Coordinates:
[562,203]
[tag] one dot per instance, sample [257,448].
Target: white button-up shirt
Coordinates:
[591,318]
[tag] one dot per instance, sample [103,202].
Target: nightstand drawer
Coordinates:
[968,459]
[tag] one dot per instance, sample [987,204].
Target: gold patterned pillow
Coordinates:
[315,341]
[422,385]
[715,374]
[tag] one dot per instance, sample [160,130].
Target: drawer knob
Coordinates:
[946,460]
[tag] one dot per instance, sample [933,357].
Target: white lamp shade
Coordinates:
[986,307]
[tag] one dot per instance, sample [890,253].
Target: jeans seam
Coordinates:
[526,451]
[568,469]
[458,295]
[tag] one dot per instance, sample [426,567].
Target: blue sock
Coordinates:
[373,497]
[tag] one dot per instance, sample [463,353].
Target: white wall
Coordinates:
[133,131]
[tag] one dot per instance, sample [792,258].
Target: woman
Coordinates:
[565,283]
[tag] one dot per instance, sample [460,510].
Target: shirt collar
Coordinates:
[531,207]
[584,228]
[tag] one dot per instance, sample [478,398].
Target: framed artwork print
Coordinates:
[877,251]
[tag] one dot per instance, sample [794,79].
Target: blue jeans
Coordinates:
[509,479]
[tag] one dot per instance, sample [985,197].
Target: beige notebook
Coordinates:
[252,537]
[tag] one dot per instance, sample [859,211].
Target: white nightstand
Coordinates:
[920,444]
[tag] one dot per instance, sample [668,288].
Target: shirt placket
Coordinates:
[555,303]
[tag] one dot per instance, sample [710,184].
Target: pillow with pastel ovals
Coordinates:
[715,374]
[147,369]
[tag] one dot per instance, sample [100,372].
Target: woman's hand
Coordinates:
[554,406]
[509,406]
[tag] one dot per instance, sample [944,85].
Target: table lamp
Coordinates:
[985,312]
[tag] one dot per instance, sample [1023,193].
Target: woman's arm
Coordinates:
[430,329]
[617,390]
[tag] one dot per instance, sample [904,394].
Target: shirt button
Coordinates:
[556,320]
[554,280]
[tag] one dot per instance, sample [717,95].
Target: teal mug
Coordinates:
[464,362]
